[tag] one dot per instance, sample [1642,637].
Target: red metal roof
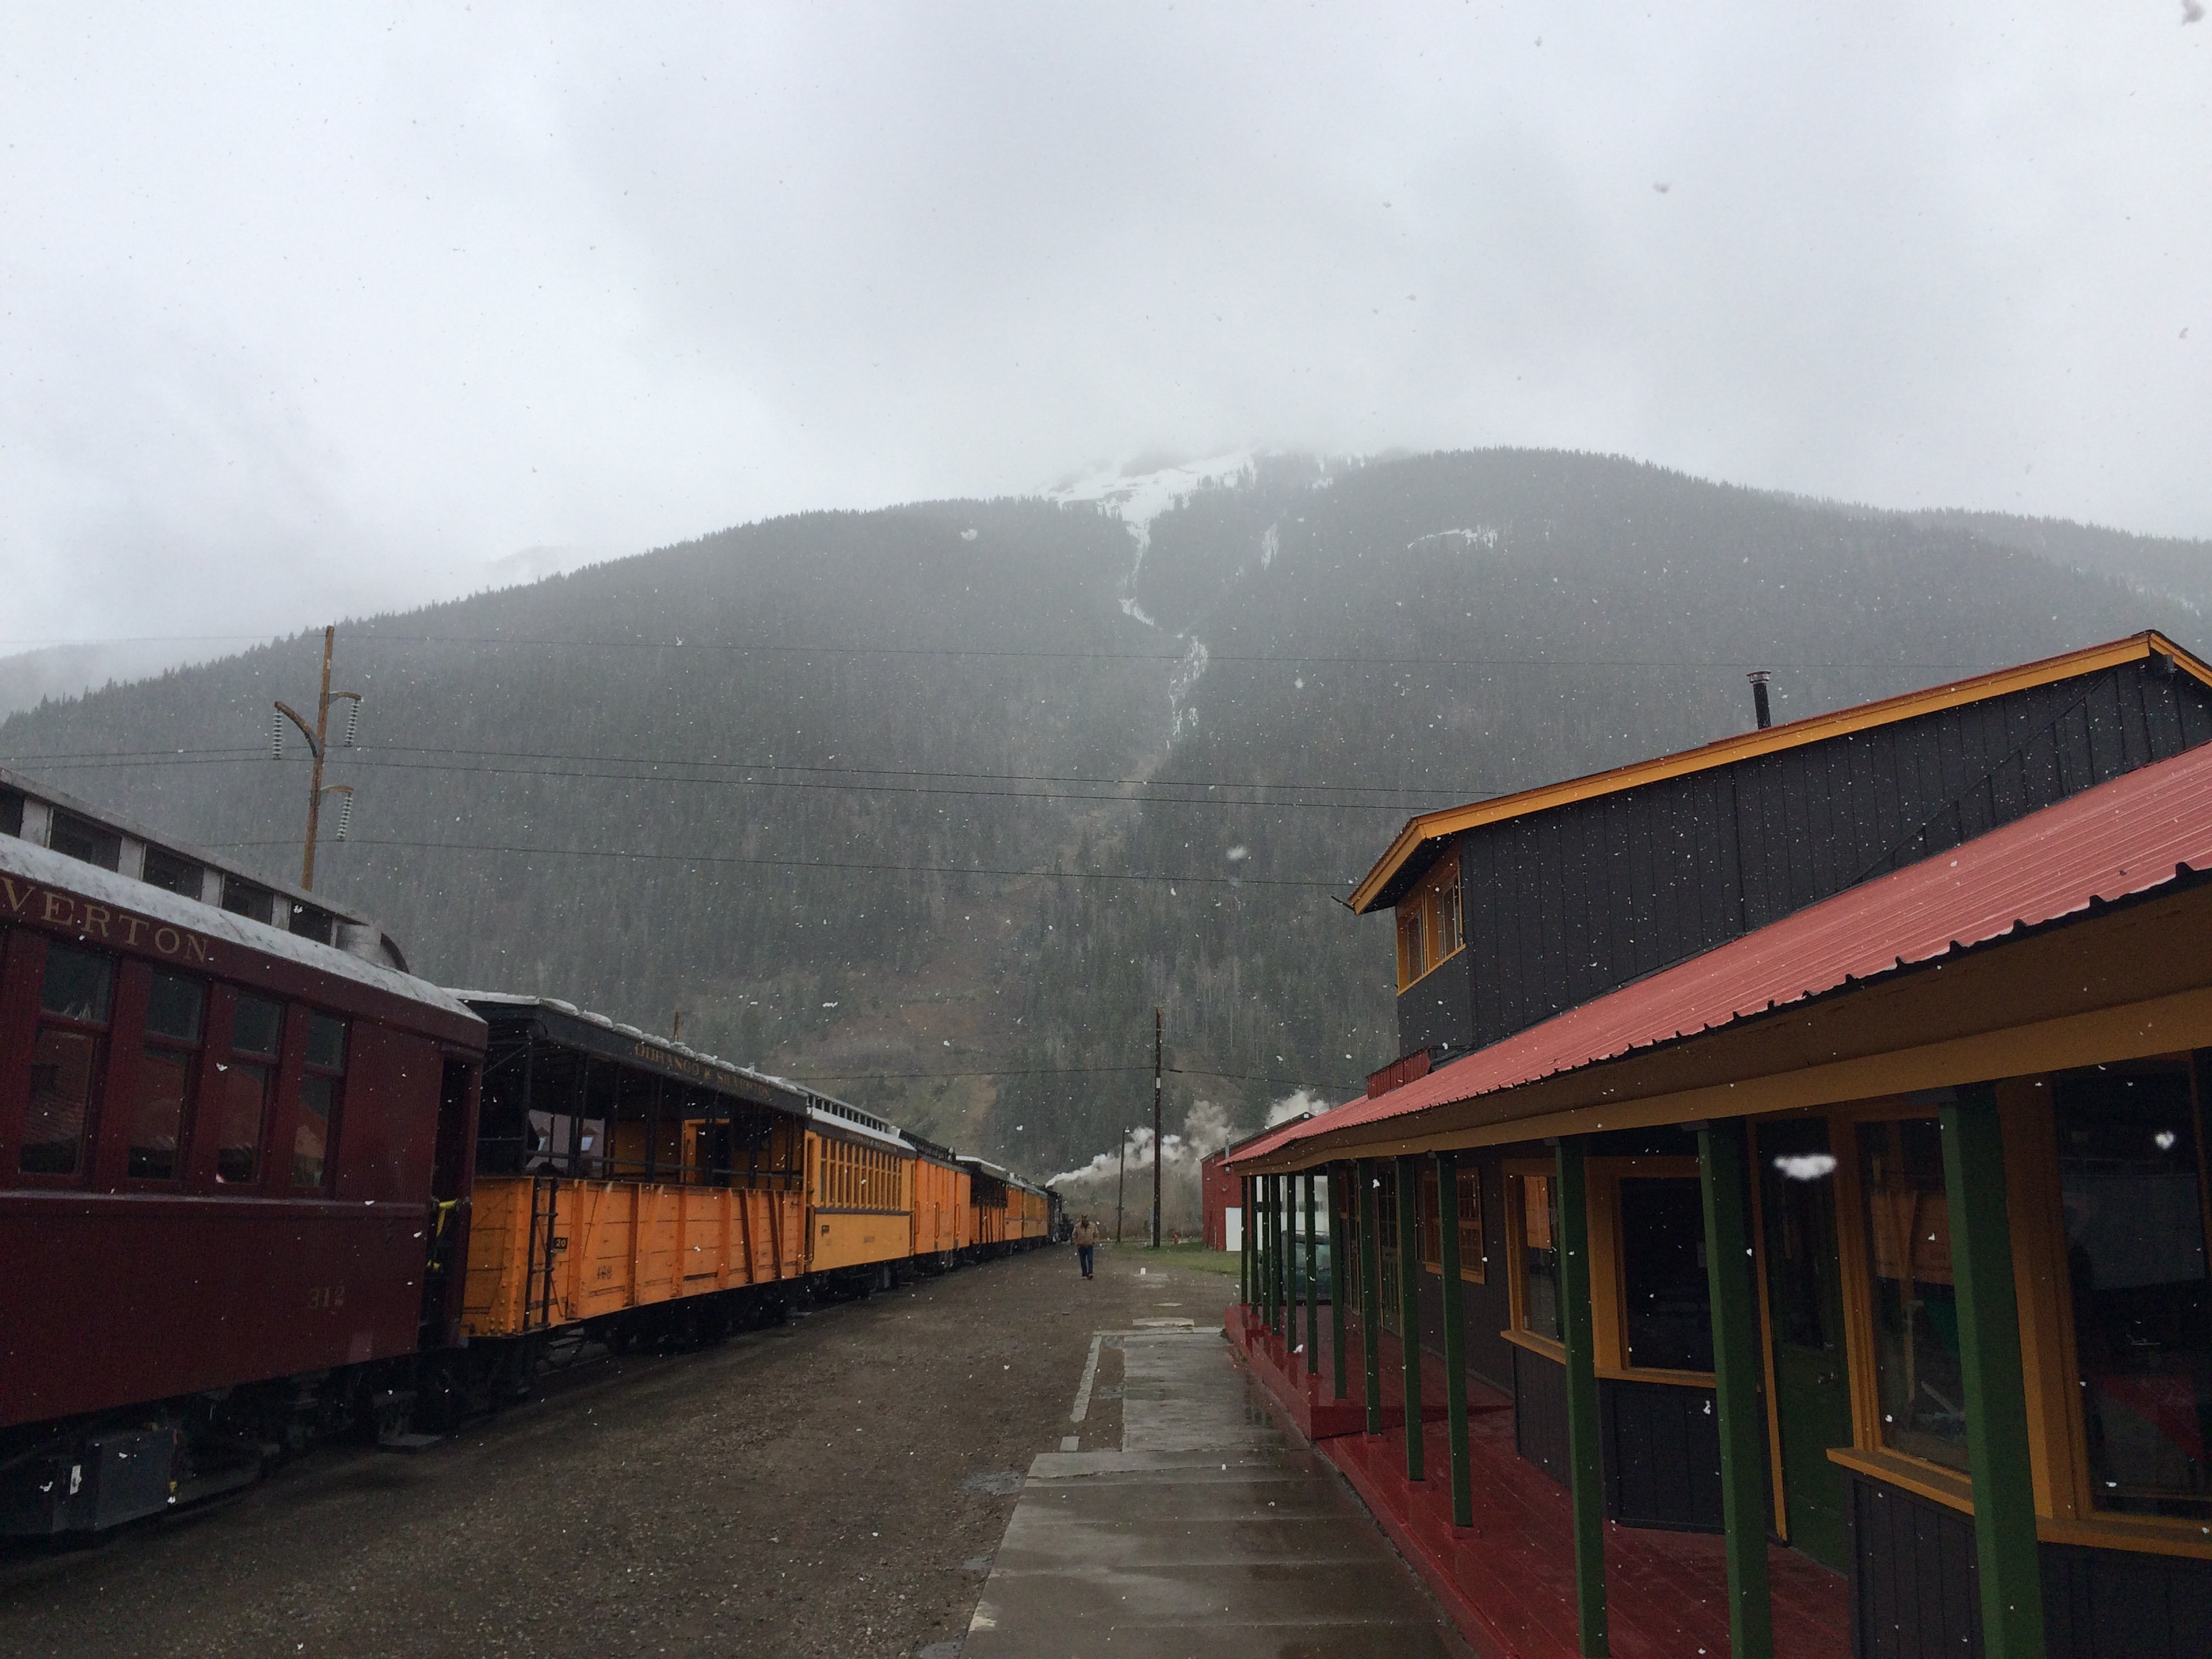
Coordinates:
[2118,840]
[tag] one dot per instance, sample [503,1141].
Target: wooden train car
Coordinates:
[259,1185]
[626,1179]
[1011,1214]
[229,1159]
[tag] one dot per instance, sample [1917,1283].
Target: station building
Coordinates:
[1783,1229]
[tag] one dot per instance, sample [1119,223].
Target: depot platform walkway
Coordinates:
[1508,1579]
[1214,1530]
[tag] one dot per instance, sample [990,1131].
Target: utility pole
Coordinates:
[1159,1152]
[317,737]
[1121,1185]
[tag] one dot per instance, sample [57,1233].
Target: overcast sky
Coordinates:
[312,309]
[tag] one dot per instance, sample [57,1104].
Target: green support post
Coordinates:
[1738,1368]
[1370,1297]
[2008,1565]
[1263,1263]
[1336,1279]
[1409,1309]
[1283,1325]
[1585,1472]
[1244,1241]
[1463,1474]
[1313,1285]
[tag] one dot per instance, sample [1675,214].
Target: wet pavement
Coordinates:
[1211,1529]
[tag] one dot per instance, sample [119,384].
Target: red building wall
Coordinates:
[1217,1193]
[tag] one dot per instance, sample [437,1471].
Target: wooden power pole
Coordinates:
[1159,1152]
[317,737]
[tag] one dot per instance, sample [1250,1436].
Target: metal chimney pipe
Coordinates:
[1758,679]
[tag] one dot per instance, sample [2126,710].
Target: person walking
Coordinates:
[1085,1239]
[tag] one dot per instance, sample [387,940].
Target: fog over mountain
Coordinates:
[936,803]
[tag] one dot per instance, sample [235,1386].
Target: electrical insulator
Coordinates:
[353,722]
[276,736]
[345,818]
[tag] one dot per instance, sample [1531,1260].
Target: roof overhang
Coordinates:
[2116,982]
[1418,844]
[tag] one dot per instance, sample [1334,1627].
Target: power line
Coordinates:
[568,765]
[771,647]
[811,863]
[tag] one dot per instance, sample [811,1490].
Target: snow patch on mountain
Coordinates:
[1138,498]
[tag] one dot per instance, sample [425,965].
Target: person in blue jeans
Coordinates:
[1086,1240]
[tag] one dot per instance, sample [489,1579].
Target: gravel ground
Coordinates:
[833,1487]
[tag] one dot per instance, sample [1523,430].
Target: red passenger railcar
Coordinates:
[231,1163]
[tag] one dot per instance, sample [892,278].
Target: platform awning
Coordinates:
[2122,842]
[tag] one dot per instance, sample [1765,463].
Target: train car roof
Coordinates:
[843,1117]
[371,941]
[31,863]
[1000,1172]
[565,1023]
[931,1150]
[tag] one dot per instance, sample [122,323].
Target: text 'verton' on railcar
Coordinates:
[219,1170]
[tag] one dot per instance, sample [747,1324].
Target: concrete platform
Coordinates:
[1212,1531]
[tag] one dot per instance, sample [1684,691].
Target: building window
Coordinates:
[80,838]
[1667,1316]
[73,1005]
[1920,1391]
[172,874]
[1532,1221]
[243,1109]
[1410,965]
[2131,1180]
[174,1010]
[1472,1265]
[320,1088]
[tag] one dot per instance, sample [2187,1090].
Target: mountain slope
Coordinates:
[965,789]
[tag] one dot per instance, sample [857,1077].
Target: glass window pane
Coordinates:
[260,1028]
[1916,1316]
[172,1009]
[2131,1183]
[158,1116]
[77,984]
[82,839]
[1669,1315]
[1797,1203]
[326,1042]
[173,874]
[310,1139]
[63,1065]
[239,1114]
[1540,1259]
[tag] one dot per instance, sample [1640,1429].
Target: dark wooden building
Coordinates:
[1510,911]
[1824,1190]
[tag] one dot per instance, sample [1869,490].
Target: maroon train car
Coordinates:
[232,1159]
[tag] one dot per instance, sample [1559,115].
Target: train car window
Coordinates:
[65,1059]
[80,838]
[172,874]
[243,1106]
[308,922]
[173,1010]
[318,1100]
[258,1028]
[243,898]
[11,812]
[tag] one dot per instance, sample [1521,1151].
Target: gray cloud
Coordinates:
[309,310]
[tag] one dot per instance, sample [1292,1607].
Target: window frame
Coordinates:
[1610,1348]
[39,1018]
[1516,1172]
[305,1016]
[194,1056]
[1474,1257]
